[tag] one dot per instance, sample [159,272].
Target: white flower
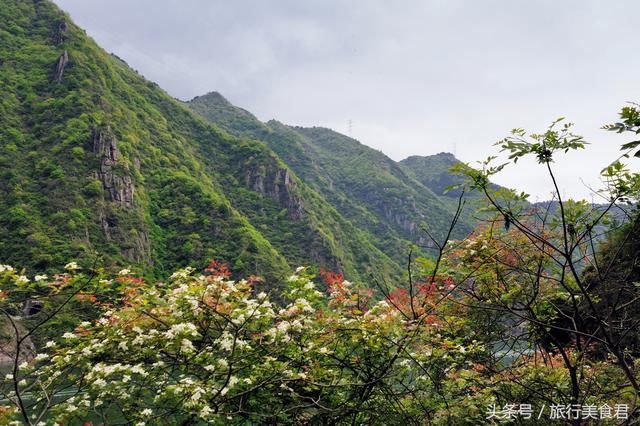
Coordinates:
[226,341]
[6,268]
[123,346]
[41,357]
[181,274]
[105,282]
[186,346]
[283,326]
[71,408]
[23,366]
[196,395]
[184,328]
[262,295]
[206,411]
[50,344]
[139,370]
[300,269]
[9,377]
[71,266]
[124,272]
[22,280]
[147,412]
[69,335]
[39,278]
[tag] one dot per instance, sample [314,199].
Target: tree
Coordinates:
[543,276]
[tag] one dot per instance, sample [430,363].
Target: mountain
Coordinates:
[433,172]
[99,164]
[374,192]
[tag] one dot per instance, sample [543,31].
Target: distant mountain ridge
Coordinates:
[380,195]
[97,164]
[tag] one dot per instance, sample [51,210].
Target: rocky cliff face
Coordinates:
[278,185]
[61,34]
[119,188]
[63,60]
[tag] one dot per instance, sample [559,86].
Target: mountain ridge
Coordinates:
[101,165]
[326,160]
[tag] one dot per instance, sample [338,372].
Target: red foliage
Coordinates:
[86,297]
[130,279]
[422,297]
[129,294]
[81,331]
[331,278]
[217,269]
[61,280]
[254,279]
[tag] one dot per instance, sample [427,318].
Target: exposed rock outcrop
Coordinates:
[118,187]
[61,32]
[140,247]
[279,186]
[63,60]
[8,342]
[119,219]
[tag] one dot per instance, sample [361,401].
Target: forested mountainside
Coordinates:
[377,194]
[99,163]
[433,172]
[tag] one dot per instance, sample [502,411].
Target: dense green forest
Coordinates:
[179,263]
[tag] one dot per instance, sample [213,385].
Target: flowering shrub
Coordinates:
[206,348]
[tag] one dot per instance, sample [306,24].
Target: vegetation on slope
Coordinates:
[96,160]
[379,196]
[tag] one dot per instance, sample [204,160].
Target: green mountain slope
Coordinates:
[433,172]
[376,193]
[95,159]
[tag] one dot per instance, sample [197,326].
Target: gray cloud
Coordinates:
[415,77]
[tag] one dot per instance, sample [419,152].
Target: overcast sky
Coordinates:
[413,77]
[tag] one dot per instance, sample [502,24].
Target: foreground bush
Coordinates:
[205,348]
